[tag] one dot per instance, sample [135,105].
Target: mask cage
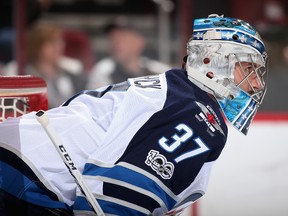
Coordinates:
[256,69]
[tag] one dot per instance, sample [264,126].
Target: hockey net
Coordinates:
[21,94]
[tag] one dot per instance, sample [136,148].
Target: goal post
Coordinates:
[21,94]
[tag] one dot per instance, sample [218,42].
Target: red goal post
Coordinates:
[21,94]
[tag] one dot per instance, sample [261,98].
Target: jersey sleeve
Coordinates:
[102,103]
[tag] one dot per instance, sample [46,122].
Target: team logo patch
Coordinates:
[209,116]
[159,164]
[206,120]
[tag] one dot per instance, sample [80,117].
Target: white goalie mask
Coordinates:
[227,58]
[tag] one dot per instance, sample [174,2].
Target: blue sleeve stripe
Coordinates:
[17,184]
[149,176]
[131,177]
[115,207]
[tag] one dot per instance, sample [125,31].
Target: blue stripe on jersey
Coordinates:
[18,179]
[132,177]
[108,207]
[18,185]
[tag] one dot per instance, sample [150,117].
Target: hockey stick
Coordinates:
[43,119]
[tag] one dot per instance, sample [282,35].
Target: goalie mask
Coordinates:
[227,58]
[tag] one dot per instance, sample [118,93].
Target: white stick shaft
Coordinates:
[43,119]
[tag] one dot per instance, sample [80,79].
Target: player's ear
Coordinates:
[184,62]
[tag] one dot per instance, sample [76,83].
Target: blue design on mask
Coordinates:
[239,111]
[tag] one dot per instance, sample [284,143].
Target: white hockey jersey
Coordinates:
[145,147]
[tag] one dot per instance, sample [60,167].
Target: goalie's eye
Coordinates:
[247,78]
[250,68]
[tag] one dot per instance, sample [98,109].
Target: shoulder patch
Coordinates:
[208,115]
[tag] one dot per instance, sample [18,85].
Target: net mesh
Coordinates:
[13,107]
[20,95]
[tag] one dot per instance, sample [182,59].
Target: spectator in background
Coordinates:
[45,58]
[126,60]
[79,46]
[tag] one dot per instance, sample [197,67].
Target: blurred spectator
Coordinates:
[45,58]
[78,46]
[126,60]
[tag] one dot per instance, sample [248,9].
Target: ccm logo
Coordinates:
[67,157]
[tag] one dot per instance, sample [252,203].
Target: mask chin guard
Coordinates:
[240,111]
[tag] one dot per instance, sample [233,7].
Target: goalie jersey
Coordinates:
[144,147]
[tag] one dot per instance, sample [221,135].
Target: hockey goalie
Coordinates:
[142,147]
